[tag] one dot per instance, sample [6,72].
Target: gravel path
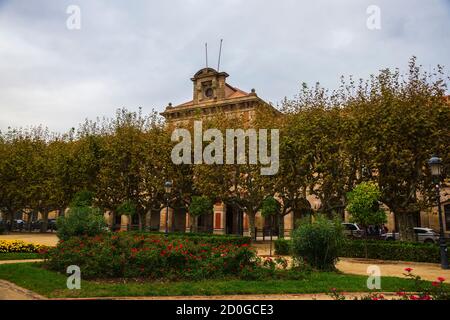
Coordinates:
[9,291]
[47,239]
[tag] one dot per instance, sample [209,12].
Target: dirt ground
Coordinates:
[428,271]
[48,239]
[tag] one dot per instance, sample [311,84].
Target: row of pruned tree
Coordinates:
[382,130]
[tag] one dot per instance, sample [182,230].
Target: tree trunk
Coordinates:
[406,224]
[148,220]
[251,224]
[194,224]
[281,227]
[44,224]
[140,221]
[10,219]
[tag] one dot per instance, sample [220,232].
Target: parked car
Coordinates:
[51,224]
[425,235]
[18,224]
[352,230]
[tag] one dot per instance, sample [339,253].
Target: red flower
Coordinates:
[441,279]
[435,284]
[414,297]
[408,269]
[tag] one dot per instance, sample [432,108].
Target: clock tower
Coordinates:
[209,85]
[211,94]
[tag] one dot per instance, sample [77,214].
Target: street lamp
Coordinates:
[435,164]
[168,189]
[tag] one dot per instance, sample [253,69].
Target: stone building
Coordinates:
[211,94]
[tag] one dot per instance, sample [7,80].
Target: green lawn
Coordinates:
[51,284]
[19,256]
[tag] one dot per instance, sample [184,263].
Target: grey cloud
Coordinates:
[143,53]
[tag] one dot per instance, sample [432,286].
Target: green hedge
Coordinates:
[378,249]
[282,247]
[392,250]
[205,237]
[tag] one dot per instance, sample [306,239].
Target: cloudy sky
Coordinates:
[142,53]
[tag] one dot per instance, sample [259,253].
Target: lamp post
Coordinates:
[168,190]
[435,164]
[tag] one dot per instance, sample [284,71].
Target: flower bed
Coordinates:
[128,255]
[10,246]
[422,290]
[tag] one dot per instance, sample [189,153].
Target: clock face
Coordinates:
[209,92]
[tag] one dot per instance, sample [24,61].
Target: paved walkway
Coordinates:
[428,271]
[319,296]
[20,261]
[9,291]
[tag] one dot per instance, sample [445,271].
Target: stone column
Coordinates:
[219,222]
[162,221]
[108,218]
[246,229]
[188,222]
[124,222]
[288,224]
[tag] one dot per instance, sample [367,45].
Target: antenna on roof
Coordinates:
[206,53]
[220,53]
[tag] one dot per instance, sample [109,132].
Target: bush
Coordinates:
[203,237]
[282,247]
[9,246]
[128,255]
[392,250]
[319,243]
[81,221]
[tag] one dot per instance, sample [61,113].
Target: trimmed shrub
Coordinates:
[203,237]
[81,221]
[128,255]
[282,247]
[318,243]
[392,250]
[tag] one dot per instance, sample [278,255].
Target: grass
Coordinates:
[53,285]
[19,256]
